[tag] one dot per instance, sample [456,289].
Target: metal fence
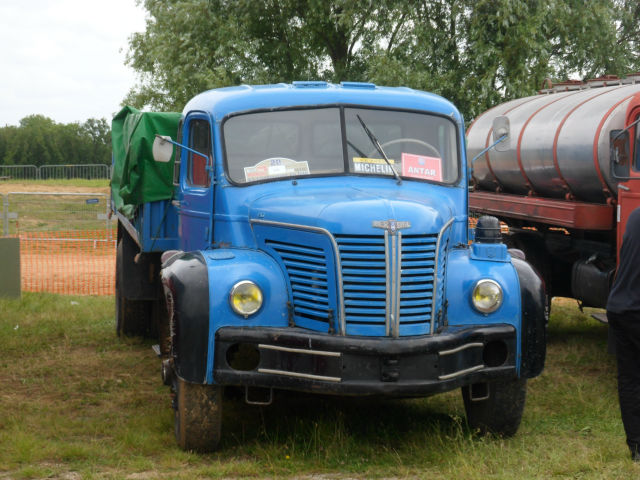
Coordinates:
[67,240]
[87,172]
[55,172]
[18,172]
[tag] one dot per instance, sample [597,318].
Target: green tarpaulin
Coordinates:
[136,178]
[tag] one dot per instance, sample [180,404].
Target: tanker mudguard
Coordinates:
[534,319]
[186,285]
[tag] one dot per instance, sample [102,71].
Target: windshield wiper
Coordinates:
[376,144]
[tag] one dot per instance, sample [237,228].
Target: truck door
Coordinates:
[629,191]
[196,184]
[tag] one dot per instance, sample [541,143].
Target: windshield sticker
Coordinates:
[372,166]
[275,167]
[421,166]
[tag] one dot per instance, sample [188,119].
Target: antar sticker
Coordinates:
[421,166]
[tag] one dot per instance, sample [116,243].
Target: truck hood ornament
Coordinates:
[392,226]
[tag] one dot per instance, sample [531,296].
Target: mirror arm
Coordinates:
[163,139]
[501,139]
[626,128]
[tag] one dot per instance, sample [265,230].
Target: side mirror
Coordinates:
[619,154]
[502,128]
[162,149]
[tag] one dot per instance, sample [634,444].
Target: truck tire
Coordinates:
[499,411]
[198,415]
[133,317]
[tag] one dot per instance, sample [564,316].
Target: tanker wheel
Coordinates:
[198,415]
[497,408]
[133,318]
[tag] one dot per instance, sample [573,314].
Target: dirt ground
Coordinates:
[66,273]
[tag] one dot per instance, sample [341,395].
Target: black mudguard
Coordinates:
[138,270]
[186,285]
[534,319]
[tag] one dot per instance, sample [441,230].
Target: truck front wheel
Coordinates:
[198,415]
[495,407]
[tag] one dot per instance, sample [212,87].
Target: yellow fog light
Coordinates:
[245,298]
[486,296]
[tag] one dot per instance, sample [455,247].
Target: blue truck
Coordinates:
[315,237]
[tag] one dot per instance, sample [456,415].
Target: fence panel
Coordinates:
[68,242]
[72,172]
[18,172]
[76,262]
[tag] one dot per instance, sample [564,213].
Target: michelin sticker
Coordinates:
[375,166]
[275,167]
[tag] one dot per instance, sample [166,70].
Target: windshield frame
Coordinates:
[345,160]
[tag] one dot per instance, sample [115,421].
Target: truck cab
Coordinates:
[316,239]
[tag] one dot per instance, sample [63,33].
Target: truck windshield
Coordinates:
[272,145]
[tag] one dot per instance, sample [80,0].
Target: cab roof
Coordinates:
[221,102]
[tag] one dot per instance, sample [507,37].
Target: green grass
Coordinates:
[53,210]
[78,402]
[77,182]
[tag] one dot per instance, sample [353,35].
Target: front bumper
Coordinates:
[298,359]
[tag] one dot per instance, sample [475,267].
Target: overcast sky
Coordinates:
[65,58]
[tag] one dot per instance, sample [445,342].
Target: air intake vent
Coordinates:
[418,269]
[307,270]
[309,263]
[364,278]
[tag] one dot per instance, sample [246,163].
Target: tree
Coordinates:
[481,52]
[38,140]
[474,52]
[96,135]
[193,45]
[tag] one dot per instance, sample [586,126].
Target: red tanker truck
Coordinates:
[564,175]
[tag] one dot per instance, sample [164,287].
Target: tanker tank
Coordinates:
[558,145]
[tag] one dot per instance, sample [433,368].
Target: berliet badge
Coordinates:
[392,226]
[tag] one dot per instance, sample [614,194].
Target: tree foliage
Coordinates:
[474,52]
[38,140]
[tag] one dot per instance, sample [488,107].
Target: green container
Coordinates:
[10,267]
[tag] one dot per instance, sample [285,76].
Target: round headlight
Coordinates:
[486,296]
[245,298]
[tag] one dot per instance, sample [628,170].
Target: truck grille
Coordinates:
[370,294]
[387,280]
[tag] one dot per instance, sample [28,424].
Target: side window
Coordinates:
[199,140]
[178,156]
